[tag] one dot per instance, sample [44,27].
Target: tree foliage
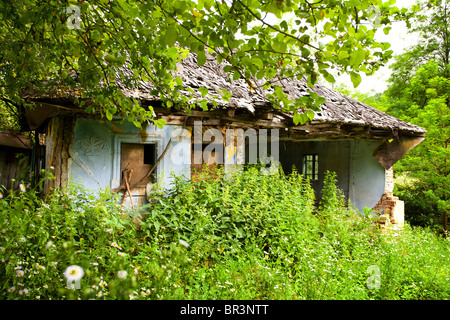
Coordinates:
[419,92]
[57,47]
[432,27]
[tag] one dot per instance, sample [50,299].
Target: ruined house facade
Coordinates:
[358,142]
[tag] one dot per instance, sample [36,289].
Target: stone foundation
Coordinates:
[389,208]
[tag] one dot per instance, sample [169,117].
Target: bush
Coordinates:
[244,236]
[421,209]
[244,209]
[41,238]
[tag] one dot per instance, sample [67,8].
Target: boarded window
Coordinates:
[311,166]
[140,158]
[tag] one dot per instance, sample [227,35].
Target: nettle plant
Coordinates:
[229,212]
[42,237]
[238,235]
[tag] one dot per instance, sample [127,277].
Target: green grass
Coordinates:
[250,237]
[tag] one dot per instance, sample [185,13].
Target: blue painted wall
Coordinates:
[95,152]
[95,158]
[359,174]
[367,179]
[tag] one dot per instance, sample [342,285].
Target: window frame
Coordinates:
[314,174]
[117,156]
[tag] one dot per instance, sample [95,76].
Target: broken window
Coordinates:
[140,158]
[311,166]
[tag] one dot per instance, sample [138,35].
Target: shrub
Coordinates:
[421,209]
[229,213]
[243,236]
[40,239]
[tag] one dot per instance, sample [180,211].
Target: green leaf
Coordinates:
[160,123]
[357,57]
[201,57]
[300,118]
[355,78]
[179,81]
[203,91]
[343,55]
[172,53]
[157,225]
[110,58]
[257,62]
[109,115]
[171,35]
[310,114]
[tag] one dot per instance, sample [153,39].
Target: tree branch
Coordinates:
[276,29]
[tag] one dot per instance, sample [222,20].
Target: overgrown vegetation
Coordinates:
[419,93]
[244,236]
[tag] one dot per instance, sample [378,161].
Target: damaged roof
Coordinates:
[338,108]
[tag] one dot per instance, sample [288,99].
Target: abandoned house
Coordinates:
[358,142]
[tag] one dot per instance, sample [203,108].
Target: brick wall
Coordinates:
[389,208]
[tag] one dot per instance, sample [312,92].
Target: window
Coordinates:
[211,155]
[311,166]
[140,158]
[149,154]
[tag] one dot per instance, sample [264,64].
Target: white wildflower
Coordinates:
[48,245]
[122,274]
[22,187]
[74,273]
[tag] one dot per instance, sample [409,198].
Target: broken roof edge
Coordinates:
[338,108]
[403,125]
[15,140]
[263,117]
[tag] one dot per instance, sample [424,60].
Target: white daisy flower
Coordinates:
[20,273]
[48,245]
[22,187]
[74,273]
[122,274]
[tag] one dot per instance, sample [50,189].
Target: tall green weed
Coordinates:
[239,236]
